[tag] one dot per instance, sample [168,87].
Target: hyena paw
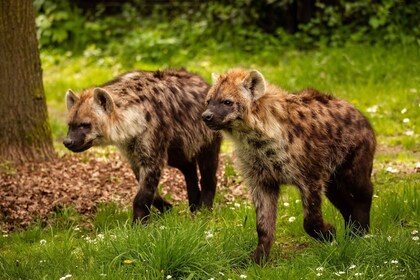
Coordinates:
[328,234]
[259,256]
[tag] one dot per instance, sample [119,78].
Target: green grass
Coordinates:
[209,244]
[382,83]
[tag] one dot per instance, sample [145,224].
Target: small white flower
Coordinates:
[391,169]
[297,200]
[403,111]
[211,278]
[372,109]
[292,219]
[237,205]
[406,120]
[352,266]
[385,262]
[320,268]
[368,236]
[319,274]
[76,228]
[168,276]
[42,261]
[243,276]
[100,236]
[375,196]
[102,274]
[381,275]
[221,273]
[394,261]
[389,238]
[341,272]
[162,227]
[66,276]
[358,274]
[209,234]
[415,238]
[5,235]
[42,241]
[414,232]
[286,204]
[409,133]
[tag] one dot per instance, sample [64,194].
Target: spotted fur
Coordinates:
[312,140]
[154,120]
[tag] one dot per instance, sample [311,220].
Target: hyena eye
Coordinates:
[228,102]
[85,125]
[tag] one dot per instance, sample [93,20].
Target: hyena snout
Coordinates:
[68,143]
[207,116]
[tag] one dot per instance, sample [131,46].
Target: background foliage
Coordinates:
[162,29]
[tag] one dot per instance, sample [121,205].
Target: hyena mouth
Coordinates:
[82,148]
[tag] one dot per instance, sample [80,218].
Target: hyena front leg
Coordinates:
[149,177]
[313,223]
[265,197]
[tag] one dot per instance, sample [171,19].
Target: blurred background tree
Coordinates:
[25,133]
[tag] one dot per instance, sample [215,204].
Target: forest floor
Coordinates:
[32,192]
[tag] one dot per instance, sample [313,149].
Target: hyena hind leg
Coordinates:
[208,161]
[350,191]
[313,222]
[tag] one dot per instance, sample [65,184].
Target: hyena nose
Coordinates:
[207,116]
[68,143]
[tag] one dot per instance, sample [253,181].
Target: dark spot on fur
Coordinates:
[314,115]
[148,116]
[142,98]
[348,118]
[278,167]
[150,80]
[270,153]
[301,115]
[156,90]
[138,88]
[256,143]
[290,136]
[158,75]
[124,90]
[298,130]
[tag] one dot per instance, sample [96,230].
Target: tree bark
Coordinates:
[25,133]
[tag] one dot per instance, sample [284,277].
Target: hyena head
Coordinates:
[88,118]
[231,97]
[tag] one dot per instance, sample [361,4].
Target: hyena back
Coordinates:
[315,141]
[153,118]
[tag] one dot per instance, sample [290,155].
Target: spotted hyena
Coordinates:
[153,118]
[315,141]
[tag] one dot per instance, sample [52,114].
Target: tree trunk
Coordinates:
[25,133]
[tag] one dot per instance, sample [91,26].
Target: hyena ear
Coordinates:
[104,100]
[255,84]
[71,98]
[214,78]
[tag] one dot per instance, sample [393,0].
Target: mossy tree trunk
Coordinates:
[25,134]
